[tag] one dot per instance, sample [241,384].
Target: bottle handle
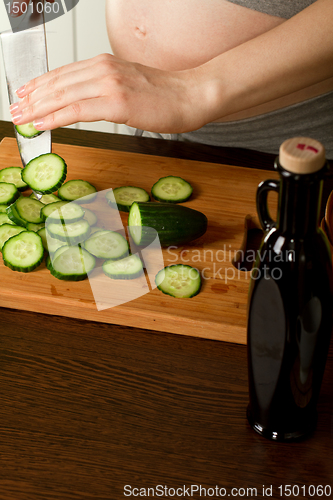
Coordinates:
[262,192]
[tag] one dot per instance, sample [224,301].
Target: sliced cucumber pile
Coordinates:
[175,224]
[28,130]
[126,269]
[107,245]
[171,189]
[13,175]
[8,193]
[77,189]
[7,231]
[63,228]
[123,197]
[46,173]
[179,281]
[72,263]
[23,252]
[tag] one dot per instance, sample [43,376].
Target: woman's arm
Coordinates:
[294,55]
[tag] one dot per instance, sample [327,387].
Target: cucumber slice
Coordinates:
[125,269]
[90,216]
[8,193]
[77,189]
[179,281]
[48,263]
[34,227]
[13,175]
[14,215]
[28,130]
[50,244]
[96,229]
[123,197]
[42,234]
[23,252]
[59,251]
[171,189]
[175,224]
[29,210]
[46,198]
[72,264]
[107,245]
[4,219]
[62,211]
[7,231]
[46,173]
[50,208]
[71,234]
[3,209]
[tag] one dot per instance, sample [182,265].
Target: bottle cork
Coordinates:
[302,155]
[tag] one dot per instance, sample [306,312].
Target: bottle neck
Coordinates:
[299,204]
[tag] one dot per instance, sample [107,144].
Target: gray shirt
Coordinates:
[311,118]
[279,8]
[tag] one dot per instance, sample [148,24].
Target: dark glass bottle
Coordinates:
[290,299]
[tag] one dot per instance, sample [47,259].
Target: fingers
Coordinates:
[32,85]
[50,77]
[53,88]
[59,88]
[50,103]
[87,110]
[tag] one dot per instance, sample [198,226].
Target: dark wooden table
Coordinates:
[88,408]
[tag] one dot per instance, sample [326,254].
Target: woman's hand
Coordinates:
[19,7]
[108,88]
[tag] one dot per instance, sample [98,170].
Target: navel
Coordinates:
[140,31]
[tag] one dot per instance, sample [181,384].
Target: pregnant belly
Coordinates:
[181,34]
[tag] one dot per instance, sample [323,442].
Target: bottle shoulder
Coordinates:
[279,240]
[289,252]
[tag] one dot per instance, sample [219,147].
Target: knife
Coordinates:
[25,57]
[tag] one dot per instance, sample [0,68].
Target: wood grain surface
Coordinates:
[225,194]
[87,408]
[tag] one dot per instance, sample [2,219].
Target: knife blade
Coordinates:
[25,57]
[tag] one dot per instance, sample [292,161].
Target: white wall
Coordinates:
[4,103]
[79,34]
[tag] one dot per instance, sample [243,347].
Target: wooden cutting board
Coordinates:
[225,194]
